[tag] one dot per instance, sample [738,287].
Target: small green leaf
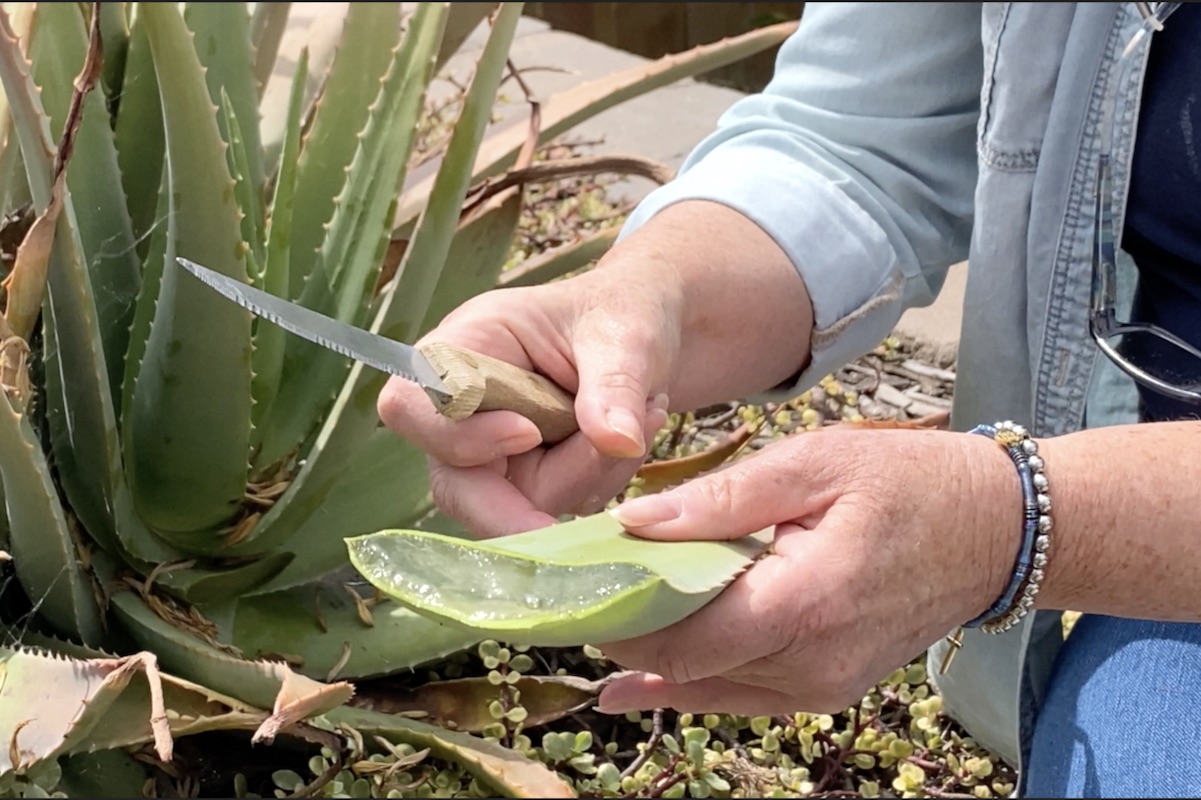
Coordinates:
[565,585]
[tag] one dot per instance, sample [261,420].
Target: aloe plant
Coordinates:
[180,480]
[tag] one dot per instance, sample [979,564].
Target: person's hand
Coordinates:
[681,308]
[609,338]
[885,540]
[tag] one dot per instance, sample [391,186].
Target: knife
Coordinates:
[458,381]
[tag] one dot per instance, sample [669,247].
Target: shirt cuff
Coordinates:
[850,270]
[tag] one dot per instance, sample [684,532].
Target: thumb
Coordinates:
[744,498]
[617,381]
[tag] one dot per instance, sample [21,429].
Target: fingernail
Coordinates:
[623,422]
[620,708]
[660,402]
[649,510]
[520,443]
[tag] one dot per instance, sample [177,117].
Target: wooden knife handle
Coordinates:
[478,382]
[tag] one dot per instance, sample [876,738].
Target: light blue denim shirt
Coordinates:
[897,139]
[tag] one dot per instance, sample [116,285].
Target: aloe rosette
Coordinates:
[180,480]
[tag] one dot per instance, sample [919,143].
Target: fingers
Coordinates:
[532,489]
[470,442]
[483,500]
[618,373]
[642,692]
[748,496]
[753,618]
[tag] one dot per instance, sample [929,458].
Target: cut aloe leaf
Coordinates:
[575,583]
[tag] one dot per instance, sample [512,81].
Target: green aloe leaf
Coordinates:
[464,18]
[40,541]
[385,484]
[477,256]
[320,626]
[188,428]
[60,42]
[114,33]
[564,110]
[270,341]
[267,26]
[352,418]
[222,42]
[112,773]
[499,768]
[575,583]
[147,301]
[79,402]
[250,203]
[370,33]
[220,668]
[561,261]
[138,132]
[423,263]
[358,233]
[201,586]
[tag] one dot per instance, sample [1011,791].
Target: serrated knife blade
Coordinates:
[387,355]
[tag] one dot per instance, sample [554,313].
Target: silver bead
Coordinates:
[1037,463]
[1026,602]
[1044,502]
[1044,524]
[1040,482]
[1029,447]
[1019,430]
[1042,544]
[1036,577]
[1032,590]
[1040,560]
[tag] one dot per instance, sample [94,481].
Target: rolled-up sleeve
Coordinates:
[858,159]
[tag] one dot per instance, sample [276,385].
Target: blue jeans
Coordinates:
[1122,716]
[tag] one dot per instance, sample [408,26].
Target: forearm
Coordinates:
[745,315]
[1127,513]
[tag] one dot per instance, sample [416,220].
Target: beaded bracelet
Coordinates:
[1028,569]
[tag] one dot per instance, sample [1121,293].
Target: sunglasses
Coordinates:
[1113,336]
